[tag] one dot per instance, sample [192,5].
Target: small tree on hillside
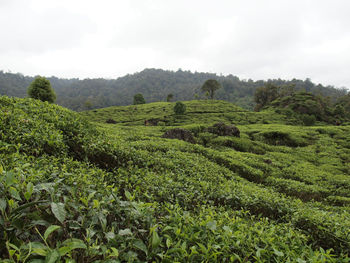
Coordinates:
[210,86]
[139,99]
[169,97]
[179,108]
[41,89]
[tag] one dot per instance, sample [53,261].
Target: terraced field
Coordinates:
[88,192]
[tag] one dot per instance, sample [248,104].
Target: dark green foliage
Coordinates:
[139,99]
[306,108]
[170,97]
[210,86]
[179,108]
[308,120]
[155,85]
[265,95]
[339,111]
[41,89]
[111,121]
[222,129]
[180,134]
[344,101]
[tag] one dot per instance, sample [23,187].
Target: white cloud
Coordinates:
[252,39]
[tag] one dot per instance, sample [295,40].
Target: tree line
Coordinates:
[155,85]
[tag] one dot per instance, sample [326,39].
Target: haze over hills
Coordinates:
[155,85]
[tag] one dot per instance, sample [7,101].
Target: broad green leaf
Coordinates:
[70,245]
[110,235]
[212,225]
[59,211]
[10,178]
[11,252]
[278,253]
[91,195]
[128,195]
[12,245]
[52,257]
[155,240]
[124,232]
[64,250]
[29,192]
[1,169]
[140,245]
[115,252]
[49,230]
[3,204]
[14,193]
[168,243]
[39,248]
[96,203]
[203,248]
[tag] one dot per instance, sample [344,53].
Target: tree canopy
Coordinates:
[179,108]
[155,85]
[41,89]
[139,99]
[210,86]
[265,94]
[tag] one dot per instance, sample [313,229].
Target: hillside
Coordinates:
[155,85]
[77,191]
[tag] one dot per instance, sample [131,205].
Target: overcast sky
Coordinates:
[256,39]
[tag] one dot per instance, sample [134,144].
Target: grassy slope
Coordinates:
[278,194]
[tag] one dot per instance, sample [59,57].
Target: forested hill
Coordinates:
[155,85]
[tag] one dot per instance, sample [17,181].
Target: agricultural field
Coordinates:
[74,188]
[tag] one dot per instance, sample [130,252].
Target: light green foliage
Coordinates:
[41,89]
[110,193]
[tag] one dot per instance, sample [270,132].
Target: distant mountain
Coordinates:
[155,85]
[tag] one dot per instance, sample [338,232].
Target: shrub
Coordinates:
[222,129]
[308,120]
[179,108]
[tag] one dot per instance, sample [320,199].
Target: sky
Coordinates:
[251,39]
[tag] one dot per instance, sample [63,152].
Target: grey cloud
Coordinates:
[252,39]
[34,31]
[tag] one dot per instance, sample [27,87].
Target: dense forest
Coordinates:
[155,85]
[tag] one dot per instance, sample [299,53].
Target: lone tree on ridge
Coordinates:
[41,89]
[139,99]
[210,86]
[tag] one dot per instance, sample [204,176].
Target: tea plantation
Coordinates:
[74,188]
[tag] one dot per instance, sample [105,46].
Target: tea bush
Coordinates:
[72,191]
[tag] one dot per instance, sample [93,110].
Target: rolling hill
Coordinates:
[77,189]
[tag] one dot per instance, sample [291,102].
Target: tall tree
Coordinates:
[264,95]
[211,85]
[41,89]
[139,99]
